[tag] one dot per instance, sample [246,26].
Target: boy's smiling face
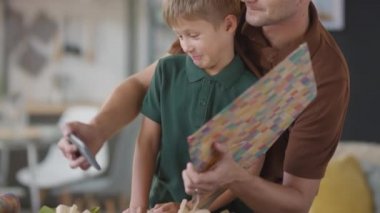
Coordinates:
[208,46]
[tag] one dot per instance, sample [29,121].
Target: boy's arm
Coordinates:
[144,162]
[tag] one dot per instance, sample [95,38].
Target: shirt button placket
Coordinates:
[203,100]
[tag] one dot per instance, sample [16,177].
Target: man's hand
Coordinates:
[90,137]
[220,175]
[224,172]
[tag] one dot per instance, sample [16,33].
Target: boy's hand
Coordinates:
[136,210]
[166,207]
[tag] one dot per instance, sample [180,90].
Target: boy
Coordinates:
[186,91]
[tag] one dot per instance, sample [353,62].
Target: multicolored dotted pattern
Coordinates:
[254,120]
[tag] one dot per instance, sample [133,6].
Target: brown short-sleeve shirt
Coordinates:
[305,148]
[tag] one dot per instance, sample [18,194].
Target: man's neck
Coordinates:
[291,30]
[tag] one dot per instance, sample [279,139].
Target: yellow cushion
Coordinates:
[344,189]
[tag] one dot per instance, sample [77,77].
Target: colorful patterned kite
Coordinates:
[254,120]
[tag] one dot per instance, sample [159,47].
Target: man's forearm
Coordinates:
[119,109]
[261,195]
[124,104]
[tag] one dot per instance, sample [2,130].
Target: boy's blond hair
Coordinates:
[213,11]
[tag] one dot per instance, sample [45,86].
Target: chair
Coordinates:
[54,171]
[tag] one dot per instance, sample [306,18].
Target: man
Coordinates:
[296,163]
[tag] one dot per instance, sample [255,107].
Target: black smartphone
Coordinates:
[84,151]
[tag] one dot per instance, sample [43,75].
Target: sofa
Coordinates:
[352,180]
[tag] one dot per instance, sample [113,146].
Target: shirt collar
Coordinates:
[226,77]
[193,72]
[313,35]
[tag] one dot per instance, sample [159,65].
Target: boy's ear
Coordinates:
[230,23]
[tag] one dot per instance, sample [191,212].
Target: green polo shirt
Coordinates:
[181,98]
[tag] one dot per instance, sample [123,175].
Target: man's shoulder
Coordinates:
[329,61]
[327,57]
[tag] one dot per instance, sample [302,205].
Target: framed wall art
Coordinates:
[331,13]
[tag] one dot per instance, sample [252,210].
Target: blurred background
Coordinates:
[58,55]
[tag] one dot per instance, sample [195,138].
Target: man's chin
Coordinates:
[254,20]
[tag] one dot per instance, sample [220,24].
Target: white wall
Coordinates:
[1,45]
[154,37]
[105,34]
